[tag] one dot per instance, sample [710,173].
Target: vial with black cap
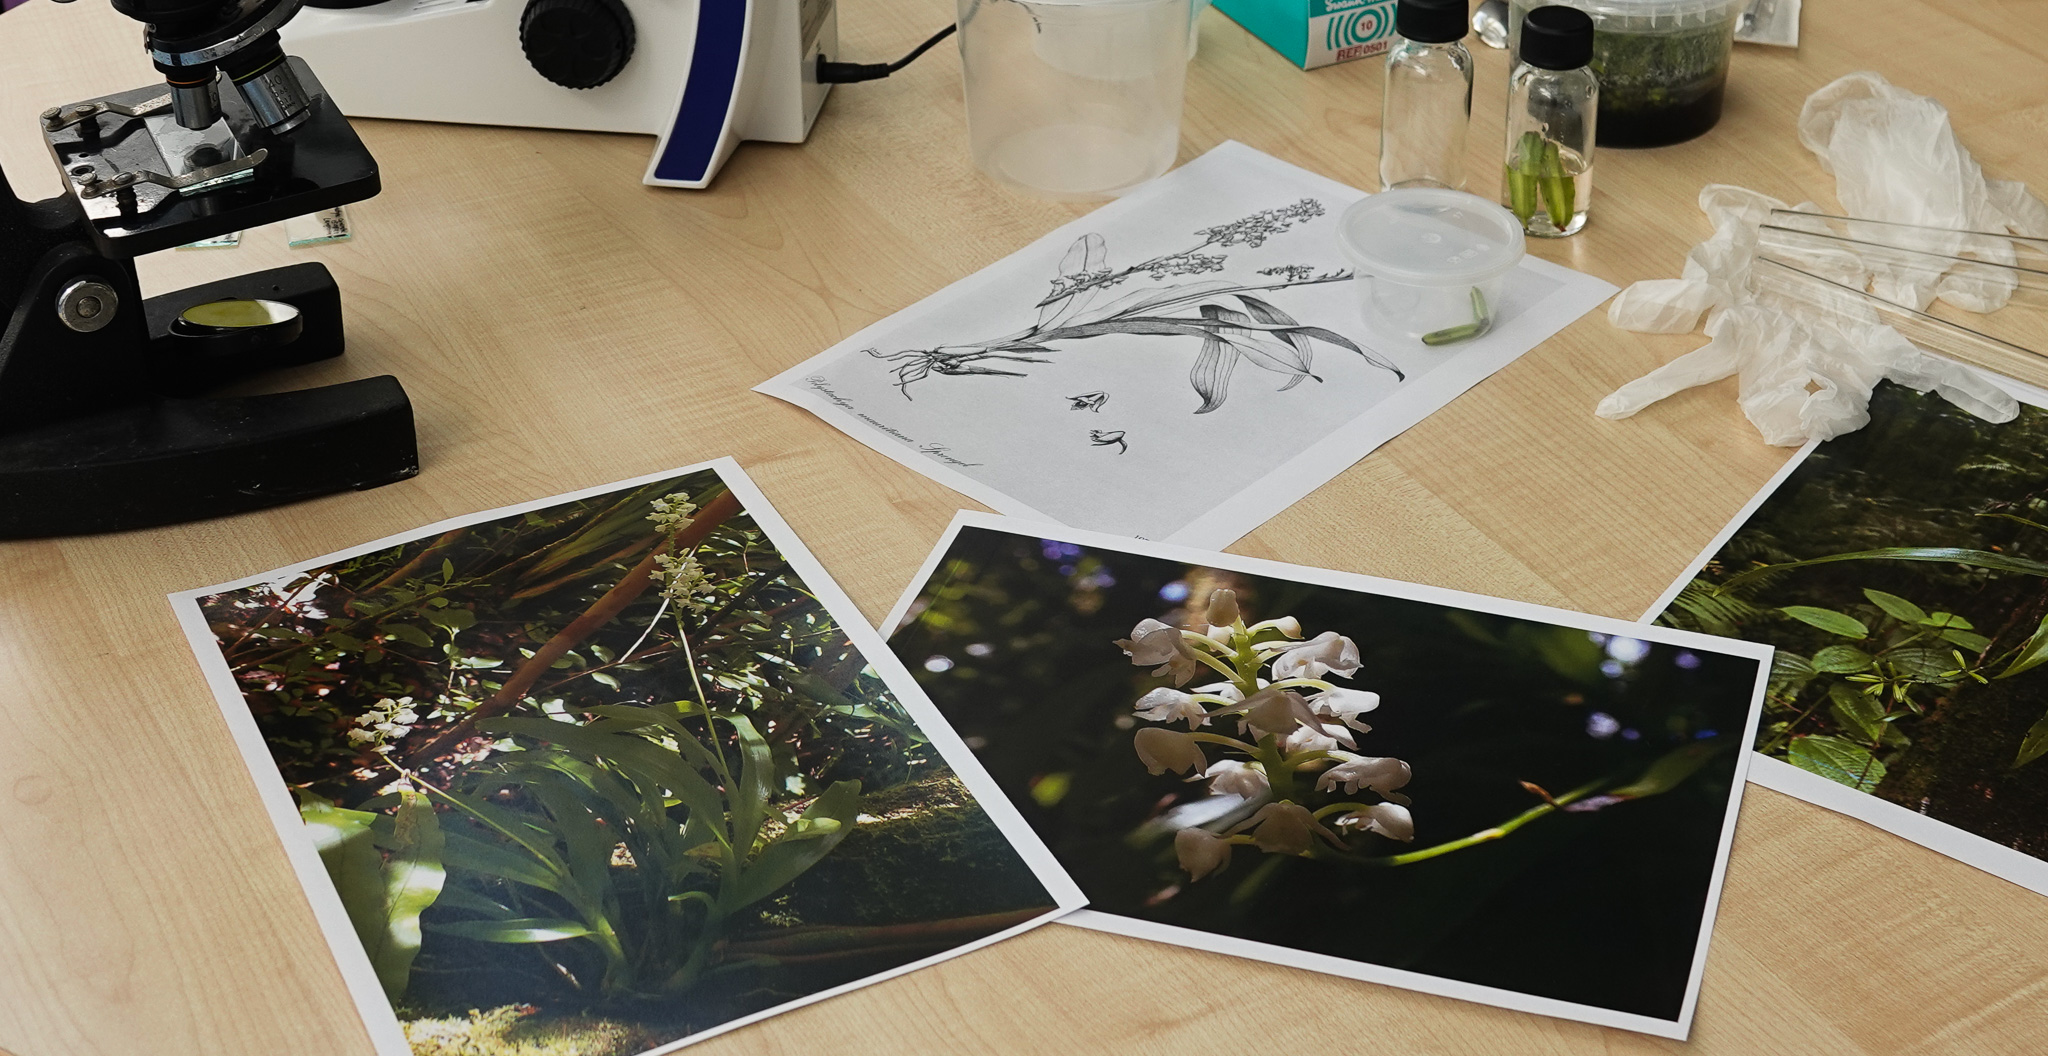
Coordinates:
[1553,100]
[1428,99]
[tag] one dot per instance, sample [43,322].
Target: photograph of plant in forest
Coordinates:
[1902,573]
[600,775]
[1357,779]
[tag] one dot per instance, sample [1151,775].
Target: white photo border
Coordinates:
[379,1017]
[1676,1029]
[1778,775]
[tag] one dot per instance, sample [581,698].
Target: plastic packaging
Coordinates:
[1662,64]
[1553,110]
[1808,358]
[1431,263]
[1427,104]
[1074,98]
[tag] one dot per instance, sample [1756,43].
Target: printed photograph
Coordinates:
[1457,798]
[594,777]
[1902,573]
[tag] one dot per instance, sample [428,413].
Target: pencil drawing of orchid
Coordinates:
[1296,737]
[1231,322]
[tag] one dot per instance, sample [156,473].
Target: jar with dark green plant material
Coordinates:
[1662,64]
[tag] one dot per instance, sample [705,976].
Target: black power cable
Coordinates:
[848,72]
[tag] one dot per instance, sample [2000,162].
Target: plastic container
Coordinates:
[1430,263]
[1074,98]
[1662,64]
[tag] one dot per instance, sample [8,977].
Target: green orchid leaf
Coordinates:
[756,784]
[2031,655]
[493,862]
[1670,770]
[1941,620]
[2034,745]
[1946,555]
[460,896]
[1835,623]
[1896,607]
[348,849]
[522,930]
[1839,760]
[412,881]
[786,858]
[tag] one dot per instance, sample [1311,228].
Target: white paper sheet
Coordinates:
[1747,703]
[1995,858]
[356,967]
[1097,423]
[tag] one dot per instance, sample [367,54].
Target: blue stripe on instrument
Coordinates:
[708,96]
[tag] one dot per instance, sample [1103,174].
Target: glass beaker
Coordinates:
[1074,98]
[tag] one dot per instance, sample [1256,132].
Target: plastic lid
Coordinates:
[1430,237]
[1432,21]
[1557,38]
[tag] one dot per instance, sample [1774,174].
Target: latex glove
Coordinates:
[1807,372]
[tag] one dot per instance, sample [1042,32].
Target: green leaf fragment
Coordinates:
[1835,623]
[1897,607]
[1839,760]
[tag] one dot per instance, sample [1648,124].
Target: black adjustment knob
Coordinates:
[576,43]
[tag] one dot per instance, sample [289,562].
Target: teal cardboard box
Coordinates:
[1315,33]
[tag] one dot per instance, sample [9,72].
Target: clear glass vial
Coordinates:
[1553,102]
[1427,104]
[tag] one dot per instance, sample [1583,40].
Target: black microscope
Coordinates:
[106,422]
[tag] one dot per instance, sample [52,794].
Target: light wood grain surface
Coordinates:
[559,325]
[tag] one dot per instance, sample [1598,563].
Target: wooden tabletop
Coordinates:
[559,325]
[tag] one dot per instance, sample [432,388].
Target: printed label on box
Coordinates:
[1342,30]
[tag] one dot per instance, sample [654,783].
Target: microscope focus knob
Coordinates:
[576,43]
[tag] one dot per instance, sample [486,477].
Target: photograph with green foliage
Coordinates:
[1440,796]
[605,775]
[1902,573]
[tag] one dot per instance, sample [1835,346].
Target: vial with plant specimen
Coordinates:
[1553,100]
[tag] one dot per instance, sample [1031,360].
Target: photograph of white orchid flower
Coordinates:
[1210,743]
[1210,312]
[606,773]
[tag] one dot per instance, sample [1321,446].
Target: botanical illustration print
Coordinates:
[1260,333]
[1355,776]
[604,775]
[1191,353]
[1902,573]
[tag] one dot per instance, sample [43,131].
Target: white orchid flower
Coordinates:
[1222,608]
[1318,737]
[1152,642]
[1361,771]
[1220,689]
[1391,820]
[1167,705]
[1201,852]
[1326,653]
[1275,711]
[1345,705]
[1161,749]
[1230,777]
[1285,828]
[1286,625]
